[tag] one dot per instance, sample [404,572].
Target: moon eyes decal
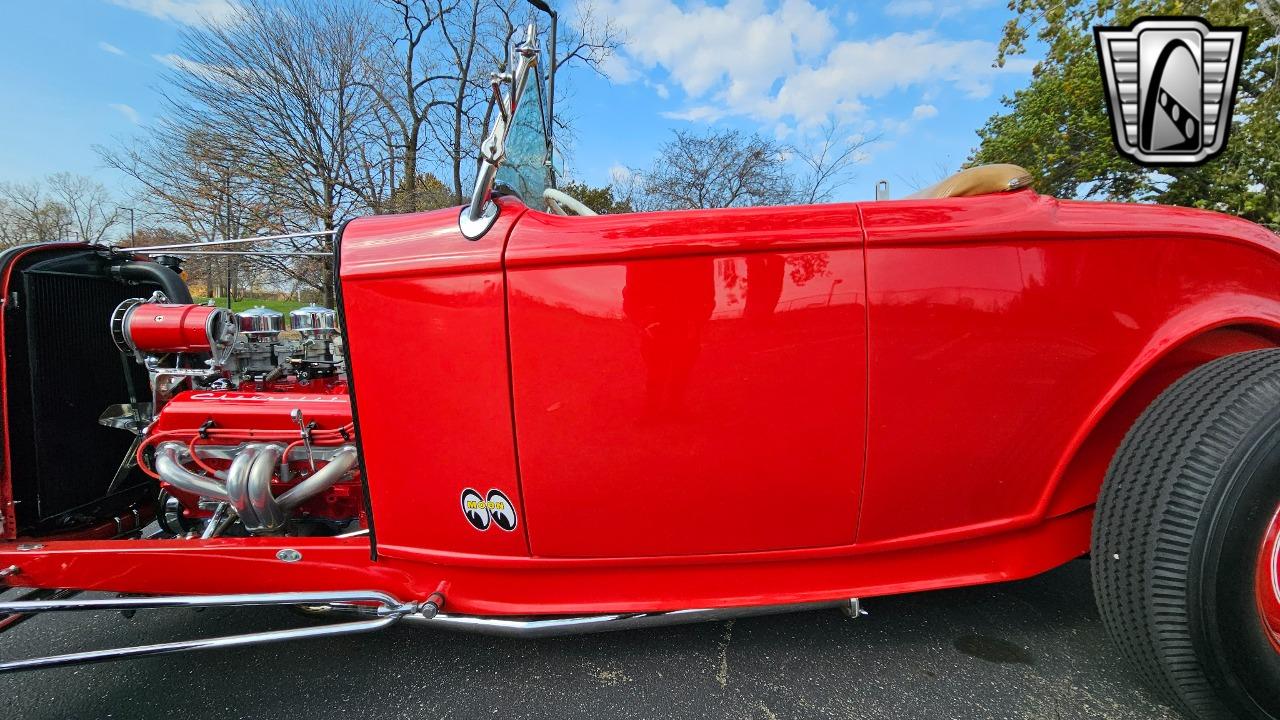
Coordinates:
[501,510]
[494,508]
[473,507]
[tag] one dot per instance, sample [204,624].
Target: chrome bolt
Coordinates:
[288,555]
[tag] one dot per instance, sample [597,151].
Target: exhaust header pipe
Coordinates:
[248,482]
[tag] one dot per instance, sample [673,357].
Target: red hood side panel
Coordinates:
[425,326]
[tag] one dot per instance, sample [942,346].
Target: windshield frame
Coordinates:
[532,174]
[477,217]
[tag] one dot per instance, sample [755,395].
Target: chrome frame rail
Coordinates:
[385,611]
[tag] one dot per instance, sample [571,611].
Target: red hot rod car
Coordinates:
[526,419]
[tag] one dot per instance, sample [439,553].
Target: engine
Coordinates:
[249,427]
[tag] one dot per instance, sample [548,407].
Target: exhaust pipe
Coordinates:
[270,518]
[343,460]
[170,469]
[238,486]
[248,481]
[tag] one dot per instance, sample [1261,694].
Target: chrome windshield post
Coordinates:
[481,213]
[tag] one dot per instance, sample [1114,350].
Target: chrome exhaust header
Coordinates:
[246,485]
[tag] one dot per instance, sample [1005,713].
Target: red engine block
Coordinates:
[216,423]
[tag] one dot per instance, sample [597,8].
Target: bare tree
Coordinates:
[62,207]
[474,38]
[294,116]
[273,108]
[432,80]
[716,169]
[829,162]
[27,214]
[190,184]
[400,76]
[90,208]
[586,39]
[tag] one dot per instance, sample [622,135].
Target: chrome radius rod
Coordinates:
[383,610]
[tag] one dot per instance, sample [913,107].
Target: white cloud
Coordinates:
[698,113]
[932,8]
[784,62]
[921,112]
[108,47]
[130,114]
[739,47]
[177,62]
[616,68]
[186,12]
[173,60]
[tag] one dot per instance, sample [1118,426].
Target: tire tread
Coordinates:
[1152,508]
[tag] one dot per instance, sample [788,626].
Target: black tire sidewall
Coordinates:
[1225,623]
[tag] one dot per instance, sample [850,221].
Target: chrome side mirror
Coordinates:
[481,213]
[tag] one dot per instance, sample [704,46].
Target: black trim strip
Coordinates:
[351,384]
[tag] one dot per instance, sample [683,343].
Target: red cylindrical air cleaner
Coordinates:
[152,328]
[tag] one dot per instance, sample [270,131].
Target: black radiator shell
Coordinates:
[62,371]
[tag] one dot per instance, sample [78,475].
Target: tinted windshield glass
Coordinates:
[525,167]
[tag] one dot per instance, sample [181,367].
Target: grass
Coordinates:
[283,306]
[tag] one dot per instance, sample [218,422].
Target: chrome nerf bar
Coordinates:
[530,628]
[378,611]
[384,609]
[9,620]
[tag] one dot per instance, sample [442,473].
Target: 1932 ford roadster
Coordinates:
[539,422]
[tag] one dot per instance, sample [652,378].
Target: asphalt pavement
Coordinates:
[1030,649]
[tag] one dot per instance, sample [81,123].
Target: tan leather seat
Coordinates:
[980,180]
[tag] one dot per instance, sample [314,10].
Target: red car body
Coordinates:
[738,407]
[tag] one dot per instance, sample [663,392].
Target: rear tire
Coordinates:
[1178,536]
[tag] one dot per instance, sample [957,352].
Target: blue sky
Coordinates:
[916,73]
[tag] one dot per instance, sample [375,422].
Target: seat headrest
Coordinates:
[980,180]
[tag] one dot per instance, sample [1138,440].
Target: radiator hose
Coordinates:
[153,273]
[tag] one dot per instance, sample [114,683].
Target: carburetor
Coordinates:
[211,347]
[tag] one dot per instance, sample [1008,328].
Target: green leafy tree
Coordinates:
[601,199]
[427,193]
[1058,128]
